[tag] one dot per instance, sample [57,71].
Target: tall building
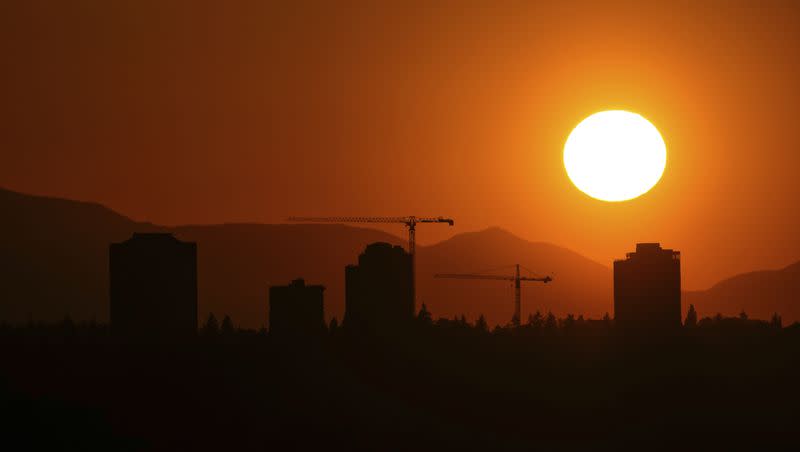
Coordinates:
[153,286]
[379,293]
[647,288]
[296,309]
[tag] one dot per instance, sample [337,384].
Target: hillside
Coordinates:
[54,257]
[579,286]
[55,262]
[759,294]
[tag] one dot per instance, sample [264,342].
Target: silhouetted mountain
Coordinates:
[55,263]
[55,259]
[759,294]
[54,256]
[580,286]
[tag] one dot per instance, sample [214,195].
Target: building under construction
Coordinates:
[153,286]
[379,294]
[647,289]
[296,310]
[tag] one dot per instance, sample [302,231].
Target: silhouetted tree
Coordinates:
[743,315]
[691,317]
[211,328]
[424,316]
[481,324]
[705,321]
[226,329]
[536,320]
[550,322]
[568,322]
[776,321]
[607,319]
[718,318]
[333,327]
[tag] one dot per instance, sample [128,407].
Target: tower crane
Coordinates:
[516,278]
[410,222]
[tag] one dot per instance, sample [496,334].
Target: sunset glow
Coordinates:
[615,155]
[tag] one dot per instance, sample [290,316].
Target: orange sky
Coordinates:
[200,112]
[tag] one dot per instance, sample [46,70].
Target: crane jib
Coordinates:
[516,278]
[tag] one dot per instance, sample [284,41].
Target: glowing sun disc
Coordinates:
[615,155]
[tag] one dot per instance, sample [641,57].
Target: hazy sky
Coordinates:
[201,112]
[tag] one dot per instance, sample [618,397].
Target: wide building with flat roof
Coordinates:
[647,289]
[296,309]
[153,286]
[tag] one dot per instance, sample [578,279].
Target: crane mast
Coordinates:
[409,221]
[516,278]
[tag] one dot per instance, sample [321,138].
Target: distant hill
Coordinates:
[54,257]
[54,262]
[759,294]
[579,286]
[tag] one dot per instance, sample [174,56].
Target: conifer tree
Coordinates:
[481,324]
[211,328]
[227,326]
[550,323]
[424,316]
[691,317]
[536,321]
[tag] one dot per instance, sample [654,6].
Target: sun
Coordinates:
[615,155]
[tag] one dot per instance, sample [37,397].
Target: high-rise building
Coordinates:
[296,309]
[647,289]
[379,294]
[153,286]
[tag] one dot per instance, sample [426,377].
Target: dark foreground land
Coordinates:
[444,387]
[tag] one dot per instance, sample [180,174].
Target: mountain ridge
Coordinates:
[759,293]
[55,254]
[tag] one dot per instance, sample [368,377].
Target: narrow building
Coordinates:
[296,309]
[379,292]
[153,286]
[647,289]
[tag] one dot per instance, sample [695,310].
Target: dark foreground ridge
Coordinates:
[446,385]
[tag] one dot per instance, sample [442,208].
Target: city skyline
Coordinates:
[182,115]
[391,226]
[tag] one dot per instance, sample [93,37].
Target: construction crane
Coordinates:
[410,222]
[516,278]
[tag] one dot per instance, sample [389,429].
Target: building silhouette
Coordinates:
[647,289]
[296,309]
[379,293]
[153,286]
